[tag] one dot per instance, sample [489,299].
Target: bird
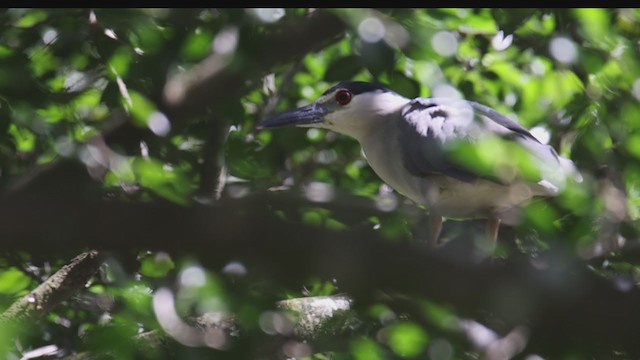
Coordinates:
[414,146]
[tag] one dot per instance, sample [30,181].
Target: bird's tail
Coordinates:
[570,169]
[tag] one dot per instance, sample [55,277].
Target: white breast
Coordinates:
[447,196]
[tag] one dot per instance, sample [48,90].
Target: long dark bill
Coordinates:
[310,114]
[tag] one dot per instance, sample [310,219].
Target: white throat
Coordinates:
[364,113]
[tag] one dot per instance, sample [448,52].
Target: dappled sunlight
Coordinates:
[276,322]
[226,41]
[446,91]
[295,349]
[49,35]
[159,123]
[137,132]
[235,269]
[635,89]
[65,146]
[387,201]
[615,202]
[48,350]
[371,30]
[192,276]
[267,15]
[319,192]
[541,133]
[174,326]
[202,297]
[563,49]
[444,43]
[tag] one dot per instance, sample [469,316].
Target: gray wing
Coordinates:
[425,127]
[514,127]
[428,124]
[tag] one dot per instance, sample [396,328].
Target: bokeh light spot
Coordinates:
[49,36]
[158,123]
[446,91]
[635,89]
[444,43]
[371,30]
[268,15]
[235,268]
[319,192]
[541,133]
[193,276]
[226,41]
[563,49]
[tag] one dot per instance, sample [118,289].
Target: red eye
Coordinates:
[343,97]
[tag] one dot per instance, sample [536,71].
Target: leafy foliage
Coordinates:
[93,87]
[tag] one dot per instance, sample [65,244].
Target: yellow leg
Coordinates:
[435,221]
[493,226]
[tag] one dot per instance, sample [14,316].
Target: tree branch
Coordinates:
[564,303]
[59,287]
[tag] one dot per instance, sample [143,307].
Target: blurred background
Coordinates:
[132,174]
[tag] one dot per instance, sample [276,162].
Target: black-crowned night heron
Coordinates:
[432,150]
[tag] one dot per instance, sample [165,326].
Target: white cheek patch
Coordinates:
[330,120]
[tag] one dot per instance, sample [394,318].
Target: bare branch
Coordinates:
[59,287]
[561,300]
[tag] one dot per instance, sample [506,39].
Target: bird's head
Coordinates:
[350,107]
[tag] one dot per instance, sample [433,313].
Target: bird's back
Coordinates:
[431,138]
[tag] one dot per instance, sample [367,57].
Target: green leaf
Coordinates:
[394,227]
[543,25]
[244,161]
[344,68]
[377,57]
[53,113]
[5,51]
[88,105]
[42,61]
[102,338]
[542,216]
[366,349]
[633,145]
[141,108]
[13,280]
[561,87]
[479,24]
[407,339]
[495,158]
[313,217]
[137,297]
[56,84]
[119,62]
[334,224]
[150,37]
[508,73]
[594,23]
[632,184]
[404,85]
[168,182]
[24,138]
[353,169]
[156,264]
[197,45]
[80,61]
[31,18]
